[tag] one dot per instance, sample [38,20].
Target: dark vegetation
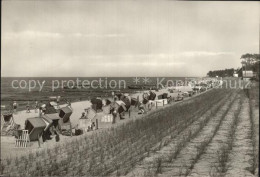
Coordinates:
[221,73]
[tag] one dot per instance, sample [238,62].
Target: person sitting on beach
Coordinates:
[92,125]
[87,111]
[151,104]
[89,128]
[28,107]
[83,116]
[141,109]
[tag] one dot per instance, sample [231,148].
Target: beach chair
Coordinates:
[7,120]
[22,141]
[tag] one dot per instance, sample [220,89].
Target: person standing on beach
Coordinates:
[43,110]
[114,114]
[113,95]
[36,106]
[14,106]
[28,107]
[69,104]
[58,101]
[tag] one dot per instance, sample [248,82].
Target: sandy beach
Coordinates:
[8,142]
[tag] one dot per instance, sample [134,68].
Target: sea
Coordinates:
[74,88]
[90,83]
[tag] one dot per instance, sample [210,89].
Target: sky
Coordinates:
[125,38]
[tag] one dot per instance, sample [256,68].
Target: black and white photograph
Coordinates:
[129,88]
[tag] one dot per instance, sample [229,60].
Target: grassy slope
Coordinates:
[110,150]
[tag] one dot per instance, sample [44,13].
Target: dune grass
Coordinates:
[116,150]
[253,102]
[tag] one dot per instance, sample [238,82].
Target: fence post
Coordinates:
[96,124]
[22,140]
[114,118]
[70,130]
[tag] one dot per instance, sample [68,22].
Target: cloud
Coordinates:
[203,53]
[145,60]
[140,63]
[68,37]
[162,57]
[112,35]
[26,34]
[42,34]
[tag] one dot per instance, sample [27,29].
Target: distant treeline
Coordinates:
[249,62]
[221,73]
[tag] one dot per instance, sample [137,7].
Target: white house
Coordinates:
[248,74]
[235,74]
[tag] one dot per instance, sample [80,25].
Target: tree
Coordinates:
[250,59]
